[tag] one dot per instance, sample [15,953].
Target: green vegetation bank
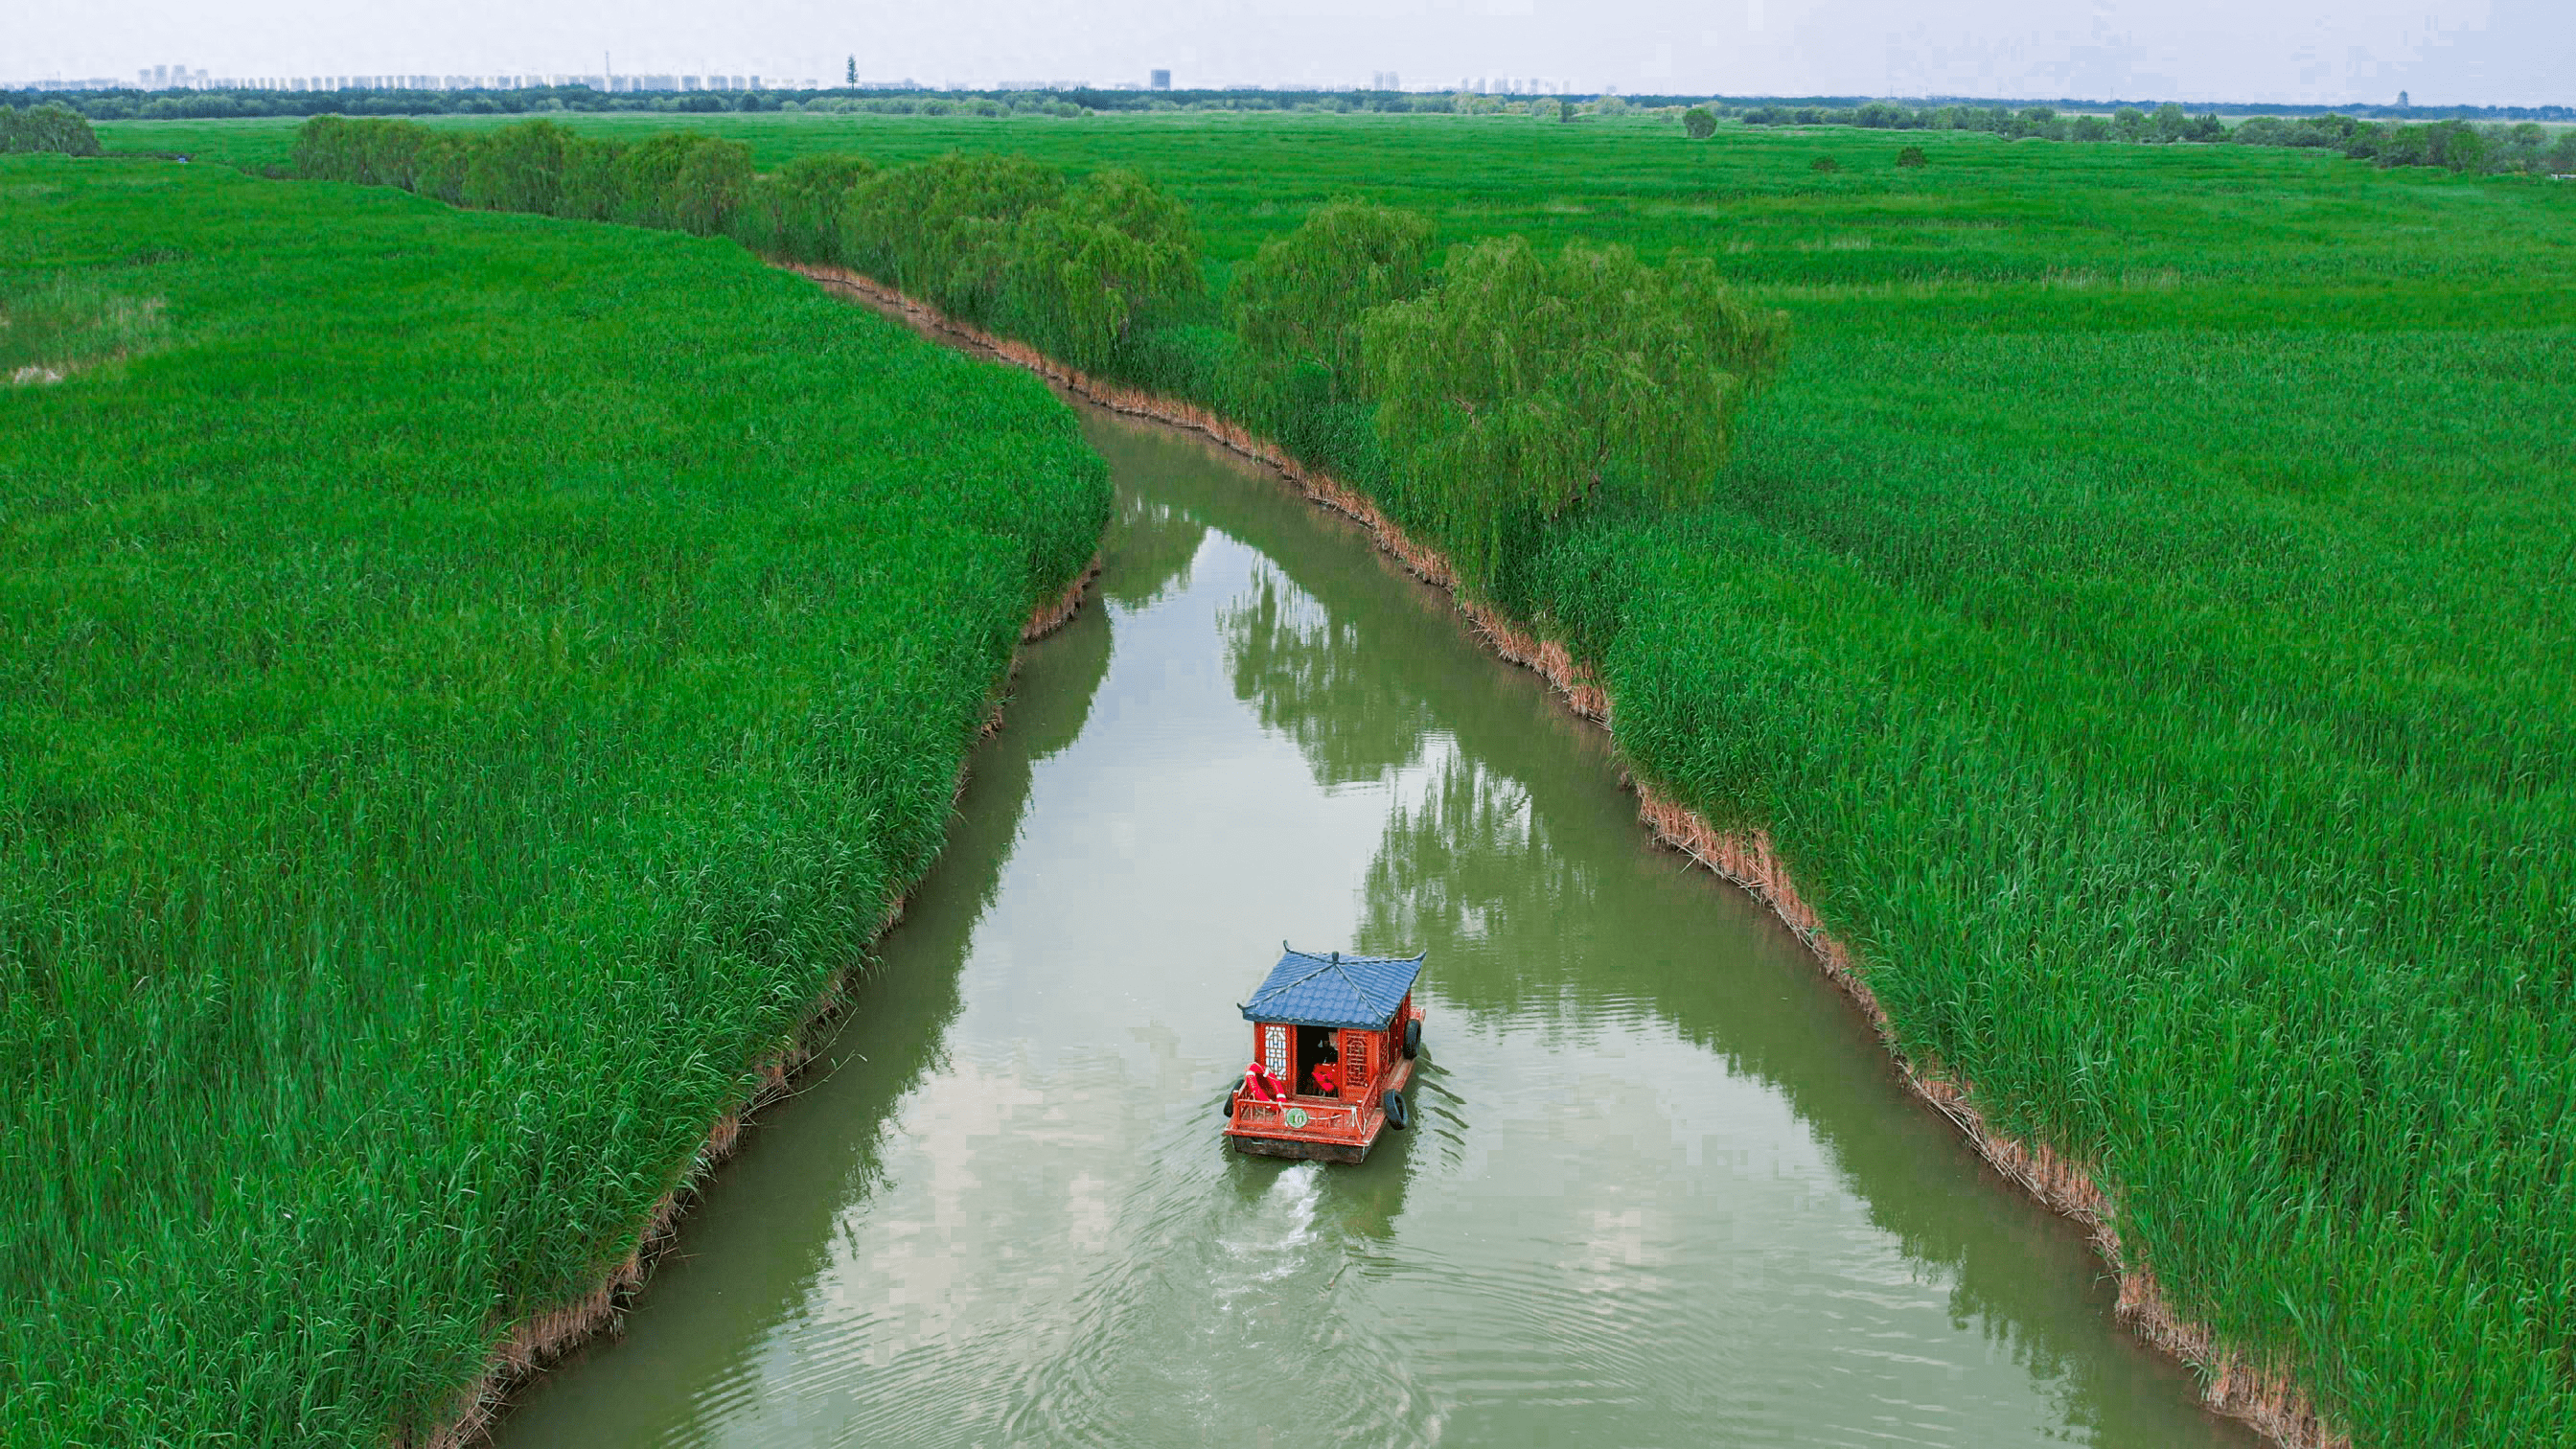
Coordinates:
[472,683]
[2136,612]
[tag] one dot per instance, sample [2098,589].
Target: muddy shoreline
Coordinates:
[2232,1385]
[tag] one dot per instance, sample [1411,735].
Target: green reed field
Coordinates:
[471,682]
[2140,610]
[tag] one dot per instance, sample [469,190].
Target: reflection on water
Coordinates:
[1149,551]
[1309,675]
[1663,1189]
[1466,857]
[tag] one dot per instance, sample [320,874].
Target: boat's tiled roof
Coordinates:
[1334,990]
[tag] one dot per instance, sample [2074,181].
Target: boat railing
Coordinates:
[1320,1113]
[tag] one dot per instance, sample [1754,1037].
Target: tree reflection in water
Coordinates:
[1150,549]
[1467,858]
[1307,675]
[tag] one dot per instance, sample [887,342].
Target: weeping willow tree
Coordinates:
[942,229]
[373,151]
[796,212]
[1009,243]
[1301,303]
[688,182]
[684,181]
[1080,272]
[1526,385]
[50,127]
[518,167]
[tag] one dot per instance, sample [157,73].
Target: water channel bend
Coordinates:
[1664,1189]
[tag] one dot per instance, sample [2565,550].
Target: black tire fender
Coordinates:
[1228,1108]
[1399,1115]
[1412,1037]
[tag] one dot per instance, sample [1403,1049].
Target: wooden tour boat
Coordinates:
[1354,1017]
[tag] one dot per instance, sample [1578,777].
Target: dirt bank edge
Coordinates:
[537,1341]
[2268,1399]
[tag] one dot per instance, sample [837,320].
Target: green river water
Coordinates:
[1664,1187]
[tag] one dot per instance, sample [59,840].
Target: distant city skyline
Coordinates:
[2468,52]
[182,76]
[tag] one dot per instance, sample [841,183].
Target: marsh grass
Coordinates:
[467,692]
[53,324]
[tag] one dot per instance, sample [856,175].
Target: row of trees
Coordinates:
[2167,123]
[1507,388]
[1479,400]
[46,128]
[688,182]
[1000,241]
[1527,385]
[1017,103]
[118,104]
[1502,391]
[2525,147]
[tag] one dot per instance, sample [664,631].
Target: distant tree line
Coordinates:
[1479,400]
[2518,147]
[221,104]
[46,128]
[1737,106]
[2525,146]
[2167,123]
[132,104]
[2391,136]
[225,104]
[2457,143]
[1012,103]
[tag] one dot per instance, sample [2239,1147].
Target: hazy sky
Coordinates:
[2303,51]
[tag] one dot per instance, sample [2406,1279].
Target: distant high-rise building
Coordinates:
[1160,80]
[1384,80]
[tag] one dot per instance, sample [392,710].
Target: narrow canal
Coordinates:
[1663,1188]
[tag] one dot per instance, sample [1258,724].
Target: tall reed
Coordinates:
[470,690]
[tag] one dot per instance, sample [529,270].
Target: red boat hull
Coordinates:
[1300,1148]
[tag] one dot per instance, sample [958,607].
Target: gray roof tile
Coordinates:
[1334,990]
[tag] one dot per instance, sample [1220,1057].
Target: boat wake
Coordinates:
[1272,1241]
